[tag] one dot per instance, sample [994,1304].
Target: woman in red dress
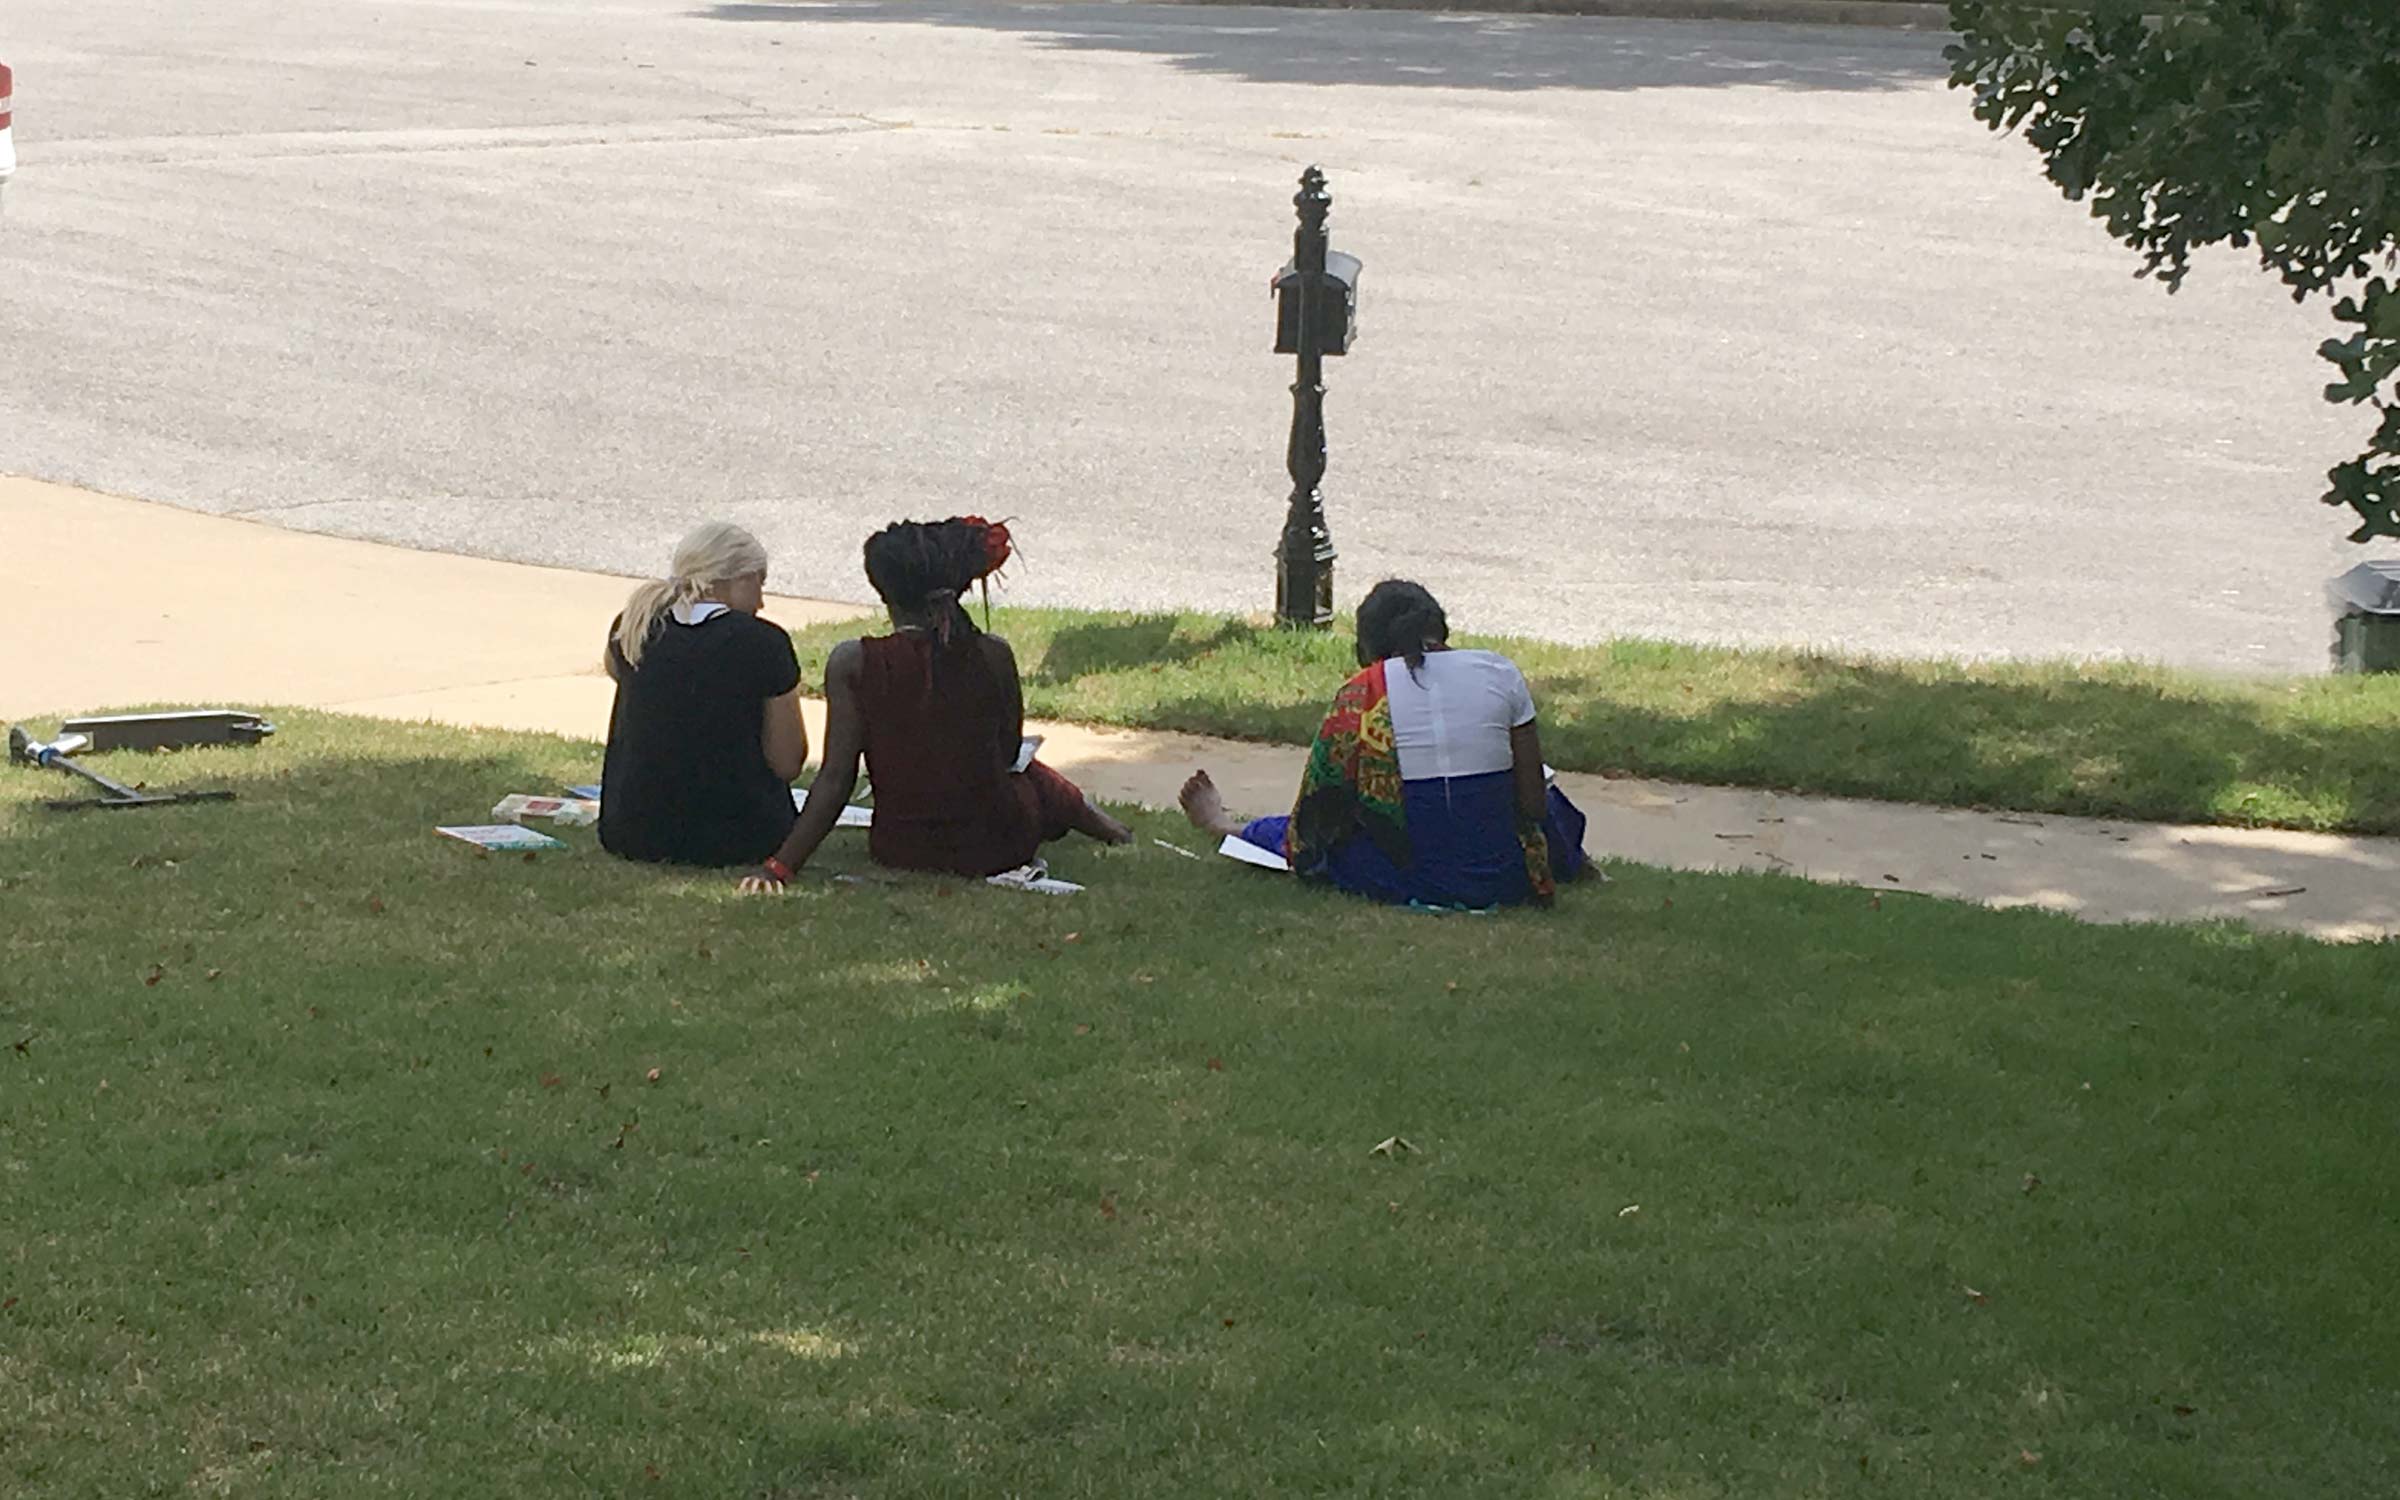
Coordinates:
[936,709]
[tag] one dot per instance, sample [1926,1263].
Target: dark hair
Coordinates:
[1397,618]
[922,567]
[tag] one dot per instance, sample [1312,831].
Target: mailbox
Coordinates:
[1335,306]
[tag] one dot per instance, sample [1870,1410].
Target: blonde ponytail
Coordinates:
[711,553]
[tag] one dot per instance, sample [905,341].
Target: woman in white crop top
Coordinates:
[1425,786]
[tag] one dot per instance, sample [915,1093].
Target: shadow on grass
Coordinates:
[845,1170]
[1410,49]
[1142,643]
[362,797]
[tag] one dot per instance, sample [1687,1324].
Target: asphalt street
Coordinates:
[1711,331]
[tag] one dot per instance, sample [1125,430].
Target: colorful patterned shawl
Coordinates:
[1352,781]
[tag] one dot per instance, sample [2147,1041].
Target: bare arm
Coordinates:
[845,741]
[1525,763]
[783,735]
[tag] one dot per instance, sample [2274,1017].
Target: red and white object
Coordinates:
[8,141]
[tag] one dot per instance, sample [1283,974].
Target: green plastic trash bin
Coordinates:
[2366,623]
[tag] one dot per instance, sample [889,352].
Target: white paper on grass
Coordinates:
[852,815]
[1034,877]
[1237,847]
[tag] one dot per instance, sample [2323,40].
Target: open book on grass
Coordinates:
[1237,847]
[501,838]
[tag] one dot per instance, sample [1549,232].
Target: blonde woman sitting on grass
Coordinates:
[706,738]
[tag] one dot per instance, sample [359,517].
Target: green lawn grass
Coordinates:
[331,1164]
[2101,740]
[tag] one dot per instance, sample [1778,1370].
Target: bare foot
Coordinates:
[1101,826]
[1205,806]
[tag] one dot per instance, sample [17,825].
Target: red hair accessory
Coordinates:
[996,545]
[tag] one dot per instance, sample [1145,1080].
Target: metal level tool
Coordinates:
[58,755]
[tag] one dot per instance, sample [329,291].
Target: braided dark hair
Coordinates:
[1397,618]
[922,567]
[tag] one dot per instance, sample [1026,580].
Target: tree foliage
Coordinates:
[2273,123]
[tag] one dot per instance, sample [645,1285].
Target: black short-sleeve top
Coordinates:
[686,777]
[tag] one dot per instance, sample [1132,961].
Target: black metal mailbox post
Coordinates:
[1316,314]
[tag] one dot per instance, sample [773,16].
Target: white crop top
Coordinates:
[1451,716]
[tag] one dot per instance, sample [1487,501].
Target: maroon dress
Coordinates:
[944,801]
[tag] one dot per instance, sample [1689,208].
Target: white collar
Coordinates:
[697,611]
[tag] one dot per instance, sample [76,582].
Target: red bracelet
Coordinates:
[777,868]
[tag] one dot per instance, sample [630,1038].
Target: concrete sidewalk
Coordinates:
[132,603]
